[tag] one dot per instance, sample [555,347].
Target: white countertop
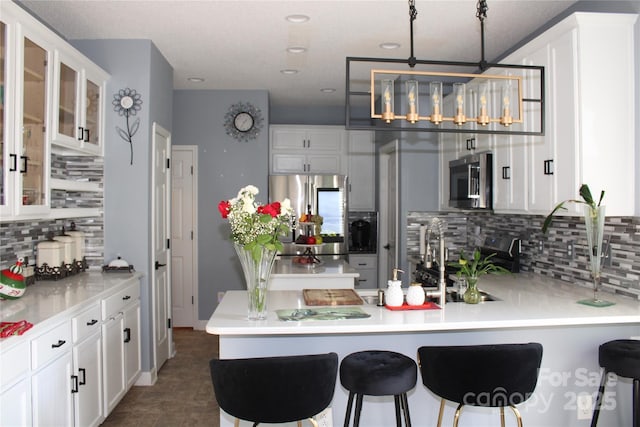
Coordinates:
[45,300]
[328,268]
[526,300]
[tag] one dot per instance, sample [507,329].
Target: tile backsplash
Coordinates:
[621,268]
[20,238]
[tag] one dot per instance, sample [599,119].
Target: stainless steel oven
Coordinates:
[471,182]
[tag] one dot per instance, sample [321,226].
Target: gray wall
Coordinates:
[135,64]
[225,165]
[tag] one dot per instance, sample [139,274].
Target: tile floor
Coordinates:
[183,394]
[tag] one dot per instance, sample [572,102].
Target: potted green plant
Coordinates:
[594,214]
[472,269]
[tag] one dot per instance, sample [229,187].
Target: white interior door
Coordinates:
[161,230]
[184,295]
[388,187]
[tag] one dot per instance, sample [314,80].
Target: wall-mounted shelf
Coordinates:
[67,185]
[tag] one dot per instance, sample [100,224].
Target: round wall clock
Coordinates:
[243,121]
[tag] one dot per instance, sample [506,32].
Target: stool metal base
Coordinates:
[456,416]
[401,404]
[636,400]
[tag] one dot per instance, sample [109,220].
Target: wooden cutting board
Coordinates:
[331,297]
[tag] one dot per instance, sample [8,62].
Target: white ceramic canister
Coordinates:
[78,238]
[415,294]
[69,247]
[50,252]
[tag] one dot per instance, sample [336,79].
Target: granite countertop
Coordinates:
[525,300]
[328,268]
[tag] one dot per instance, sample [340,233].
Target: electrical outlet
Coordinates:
[325,418]
[540,246]
[570,249]
[584,403]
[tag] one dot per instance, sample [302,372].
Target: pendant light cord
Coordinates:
[481,14]
[413,13]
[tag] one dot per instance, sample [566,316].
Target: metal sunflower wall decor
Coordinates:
[127,102]
[243,121]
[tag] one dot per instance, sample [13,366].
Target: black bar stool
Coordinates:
[495,375]
[278,389]
[378,373]
[622,357]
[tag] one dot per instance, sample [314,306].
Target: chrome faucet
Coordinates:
[437,226]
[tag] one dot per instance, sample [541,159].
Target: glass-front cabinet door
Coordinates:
[24,86]
[68,120]
[31,159]
[78,97]
[5,131]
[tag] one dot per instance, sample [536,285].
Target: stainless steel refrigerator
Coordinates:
[324,195]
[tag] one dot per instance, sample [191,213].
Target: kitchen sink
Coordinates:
[457,297]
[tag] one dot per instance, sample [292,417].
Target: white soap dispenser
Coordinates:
[393,295]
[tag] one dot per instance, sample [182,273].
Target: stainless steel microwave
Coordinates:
[471,181]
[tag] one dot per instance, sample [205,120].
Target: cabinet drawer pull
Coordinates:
[362,263]
[93,322]
[86,135]
[14,157]
[506,172]
[59,344]
[80,133]
[74,383]
[127,334]
[548,167]
[24,159]
[126,297]
[83,372]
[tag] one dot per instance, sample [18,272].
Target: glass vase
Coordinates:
[472,294]
[256,274]
[594,222]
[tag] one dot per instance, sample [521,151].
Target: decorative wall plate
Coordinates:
[243,121]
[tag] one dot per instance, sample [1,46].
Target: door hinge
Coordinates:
[192,300]
[169,323]
[191,170]
[168,243]
[191,234]
[168,163]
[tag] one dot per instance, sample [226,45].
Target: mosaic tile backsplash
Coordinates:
[20,238]
[545,254]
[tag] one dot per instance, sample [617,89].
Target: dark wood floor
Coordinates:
[183,394]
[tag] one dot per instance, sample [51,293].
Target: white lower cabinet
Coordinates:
[51,392]
[113,351]
[132,353]
[87,378]
[367,266]
[75,371]
[121,343]
[15,404]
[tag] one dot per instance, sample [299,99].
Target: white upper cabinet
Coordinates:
[52,100]
[307,149]
[589,60]
[79,88]
[25,57]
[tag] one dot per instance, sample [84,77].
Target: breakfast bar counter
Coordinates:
[529,308]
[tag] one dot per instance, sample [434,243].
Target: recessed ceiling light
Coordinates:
[327,90]
[195,79]
[296,49]
[289,71]
[389,45]
[297,19]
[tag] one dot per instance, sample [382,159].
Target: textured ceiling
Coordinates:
[242,44]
